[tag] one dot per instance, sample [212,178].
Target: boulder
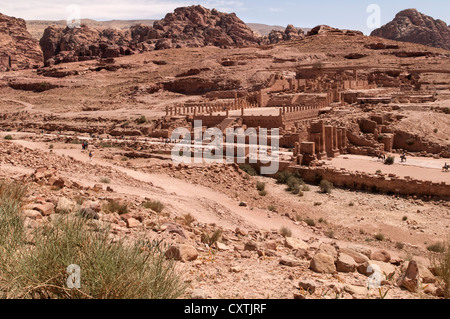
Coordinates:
[345,263]
[323,263]
[132,222]
[410,279]
[45,209]
[182,252]
[251,246]
[387,270]
[32,214]
[328,249]
[381,255]
[360,249]
[295,243]
[357,292]
[290,261]
[357,257]
[65,205]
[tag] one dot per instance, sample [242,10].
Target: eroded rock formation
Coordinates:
[18,50]
[412,26]
[78,44]
[291,33]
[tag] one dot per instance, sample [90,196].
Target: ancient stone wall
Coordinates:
[409,142]
[375,183]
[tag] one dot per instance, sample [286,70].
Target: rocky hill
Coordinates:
[77,44]
[18,50]
[37,27]
[196,26]
[193,26]
[412,26]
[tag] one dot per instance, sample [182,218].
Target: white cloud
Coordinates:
[107,9]
[276,9]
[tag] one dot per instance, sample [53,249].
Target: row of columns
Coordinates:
[292,109]
[208,108]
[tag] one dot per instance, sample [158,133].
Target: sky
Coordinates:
[345,14]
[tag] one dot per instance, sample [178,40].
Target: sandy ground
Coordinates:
[426,169]
[353,216]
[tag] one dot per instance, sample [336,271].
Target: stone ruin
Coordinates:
[324,141]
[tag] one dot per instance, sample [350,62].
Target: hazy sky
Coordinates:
[350,14]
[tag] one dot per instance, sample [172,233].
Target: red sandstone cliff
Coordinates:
[193,26]
[76,44]
[412,26]
[18,50]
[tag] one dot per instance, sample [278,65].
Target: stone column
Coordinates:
[329,140]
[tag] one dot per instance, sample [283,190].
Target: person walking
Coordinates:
[90,156]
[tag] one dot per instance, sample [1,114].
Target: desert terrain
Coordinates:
[373,95]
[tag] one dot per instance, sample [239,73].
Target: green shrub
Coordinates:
[326,186]
[294,182]
[8,137]
[441,264]
[389,160]
[283,177]
[285,232]
[379,237]
[310,222]
[115,207]
[262,193]
[260,186]
[404,218]
[329,234]
[11,222]
[109,269]
[105,180]
[188,219]
[436,247]
[156,206]
[210,240]
[141,120]
[248,169]
[272,208]
[399,245]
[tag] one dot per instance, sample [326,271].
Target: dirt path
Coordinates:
[420,168]
[205,204]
